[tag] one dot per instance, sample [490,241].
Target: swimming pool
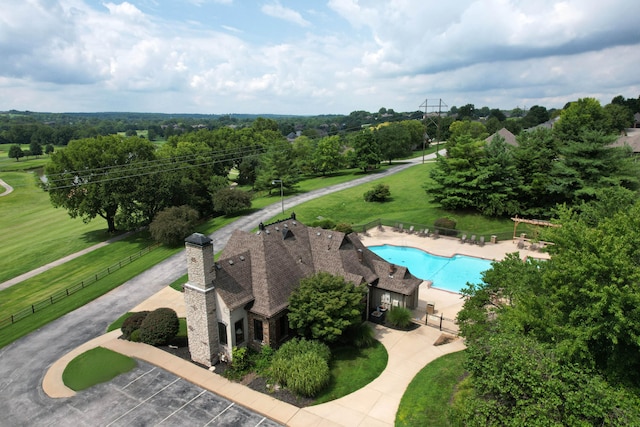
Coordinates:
[451,274]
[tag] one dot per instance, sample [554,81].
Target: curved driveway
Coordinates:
[24,362]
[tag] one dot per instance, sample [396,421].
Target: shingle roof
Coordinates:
[266,267]
[509,137]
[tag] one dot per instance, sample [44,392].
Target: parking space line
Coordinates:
[145,401]
[221,412]
[261,421]
[148,372]
[180,408]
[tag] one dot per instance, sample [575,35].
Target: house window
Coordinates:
[239,329]
[258,334]
[222,333]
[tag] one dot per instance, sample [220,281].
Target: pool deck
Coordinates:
[447,304]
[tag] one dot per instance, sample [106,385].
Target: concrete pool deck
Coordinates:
[447,304]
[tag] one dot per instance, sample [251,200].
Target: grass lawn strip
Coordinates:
[352,369]
[95,366]
[426,400]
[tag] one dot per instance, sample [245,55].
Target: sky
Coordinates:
[314,57]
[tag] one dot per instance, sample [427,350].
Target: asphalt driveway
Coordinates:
[24,362]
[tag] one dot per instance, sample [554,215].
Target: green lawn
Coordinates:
[409,203]
[24,164]
[352,369]
[426,400]
[95,366]
[34,233]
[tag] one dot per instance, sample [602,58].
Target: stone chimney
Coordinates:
[200,300]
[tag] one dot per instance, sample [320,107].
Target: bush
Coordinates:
[172,225]
[399,317]
[360,335]
[263,359]
[446,226]
[240,359]
[324,223]
[159,327]
[308,374]
[344,228]
[379,193]
[230,201]
[302,366]
[132,323]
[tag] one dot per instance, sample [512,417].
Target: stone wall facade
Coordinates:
[202,325]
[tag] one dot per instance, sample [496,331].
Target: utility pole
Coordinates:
[429,118]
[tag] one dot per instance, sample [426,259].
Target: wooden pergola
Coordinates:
[517,221]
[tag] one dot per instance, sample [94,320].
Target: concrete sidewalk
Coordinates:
[374,405]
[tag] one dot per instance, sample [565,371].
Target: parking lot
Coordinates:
[149,396]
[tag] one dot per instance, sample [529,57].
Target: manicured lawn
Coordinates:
[409,203]
[426,400]
[34,233]
[95,366]
[352,369]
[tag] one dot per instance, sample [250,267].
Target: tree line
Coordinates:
[128,181]
[565,164]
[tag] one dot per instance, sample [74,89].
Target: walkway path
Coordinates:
[7,187]
[23,381]
[36,271]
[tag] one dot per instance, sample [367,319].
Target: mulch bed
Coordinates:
[251,380]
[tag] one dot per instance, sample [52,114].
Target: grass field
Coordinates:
[34,233]
[426,401]
[95,366]
[352,369]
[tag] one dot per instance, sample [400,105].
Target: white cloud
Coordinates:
[65,55]
[276,10]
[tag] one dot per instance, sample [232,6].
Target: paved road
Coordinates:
[24,362]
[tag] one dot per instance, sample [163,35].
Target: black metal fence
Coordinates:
[442,323]
[64,293]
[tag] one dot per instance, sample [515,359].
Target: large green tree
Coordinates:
[327,157]
[366,150]
[394,140]
[95,176]
[324,306]
[557,342]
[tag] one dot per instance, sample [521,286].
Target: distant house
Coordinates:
[509,138]
[631,138]
[242,299]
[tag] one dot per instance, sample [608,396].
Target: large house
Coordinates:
[242,299]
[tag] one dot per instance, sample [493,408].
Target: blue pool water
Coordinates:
[451,274]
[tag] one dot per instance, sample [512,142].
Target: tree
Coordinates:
[278,162]
[230,200]
[327,157]
[35,148]
[324,306]
[585,114]
[172,225]
[48,149]
[556,341]
[467,112]
[394,141]
[620,117]
[367,151]
[97,176]
[15,152]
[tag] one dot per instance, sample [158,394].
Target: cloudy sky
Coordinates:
[313,57]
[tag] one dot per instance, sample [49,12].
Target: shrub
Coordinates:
[446,226]
[297,346]
[132,323]
[379,193]
[135,336]
[324,223]
[172,225]
[263,359]
[344,227]
[159,327]
[240,359]
[308,374]
[300,365]
[230,201]
[399,317]
[360,335]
